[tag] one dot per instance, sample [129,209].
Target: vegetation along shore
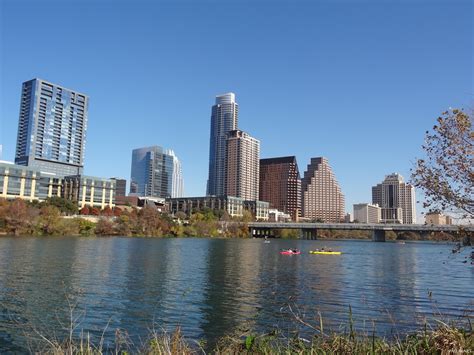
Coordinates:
[60,217]
[443,339]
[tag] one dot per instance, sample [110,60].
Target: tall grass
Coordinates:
[444,339]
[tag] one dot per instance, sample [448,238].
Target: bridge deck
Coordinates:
[363,226]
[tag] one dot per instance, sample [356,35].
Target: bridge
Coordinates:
[310,230]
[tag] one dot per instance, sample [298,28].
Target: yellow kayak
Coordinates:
[326,252]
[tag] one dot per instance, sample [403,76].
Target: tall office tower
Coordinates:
[224,119]
[155,172]
[177,185]
[396,198]
[52,128]
[242,168]
[280,185]
[322,197]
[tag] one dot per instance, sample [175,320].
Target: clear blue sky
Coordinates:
[358,82]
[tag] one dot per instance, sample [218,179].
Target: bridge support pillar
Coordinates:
[378,235]
[310,234]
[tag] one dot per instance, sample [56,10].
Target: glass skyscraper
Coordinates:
[156,172]
[52,128]
[224,119]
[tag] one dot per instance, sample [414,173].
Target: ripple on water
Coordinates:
[210,287]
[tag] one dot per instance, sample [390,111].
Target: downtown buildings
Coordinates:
[396,198]
[242,166]
[367,213]
[51,128]
[233,154]
[233,175]
[156,172]
[322,198]
[224,119]
[49,158]
[280,185]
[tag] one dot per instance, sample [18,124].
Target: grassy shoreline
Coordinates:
[444,339]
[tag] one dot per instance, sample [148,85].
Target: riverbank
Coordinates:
[58,218]
[445,339]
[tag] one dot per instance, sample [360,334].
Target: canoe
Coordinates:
[290,252]
[326,252]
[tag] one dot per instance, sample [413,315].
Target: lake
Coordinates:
[210,287]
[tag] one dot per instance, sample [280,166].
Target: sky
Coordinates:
[358,82]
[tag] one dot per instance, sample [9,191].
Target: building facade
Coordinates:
[434,218]
[51,128]
[177,183]
[322,198]
[120,186]
[280,185]
[89,191]
[224,118]
[396,198]
[155,172]
[367,213]
[243,166]
[17,181]
[259,209]
[234,206]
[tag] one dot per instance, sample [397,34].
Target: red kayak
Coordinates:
[290,252]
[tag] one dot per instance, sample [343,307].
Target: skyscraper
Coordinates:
[51,128]
[396,198]
[155,172]
[322,197]
[224,119]
[280,185]
[242,168]
[177,184]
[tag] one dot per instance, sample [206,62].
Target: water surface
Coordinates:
[210,287]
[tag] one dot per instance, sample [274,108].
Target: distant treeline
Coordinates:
[58,216]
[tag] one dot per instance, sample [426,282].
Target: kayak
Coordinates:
[286,252]
[325,252]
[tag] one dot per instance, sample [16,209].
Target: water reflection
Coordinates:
[212,287]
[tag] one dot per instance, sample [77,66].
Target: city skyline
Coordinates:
[294,106]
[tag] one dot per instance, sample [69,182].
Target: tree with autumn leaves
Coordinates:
[446,174]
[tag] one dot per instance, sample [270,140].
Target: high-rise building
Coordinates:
[396,198]
[367,213]
[322,198]
[242,167]
[224,119]
[280,185]
[120,186]
[155,172]
[177,184]
[51,128]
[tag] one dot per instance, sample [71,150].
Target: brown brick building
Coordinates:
[280,184]
[321,194]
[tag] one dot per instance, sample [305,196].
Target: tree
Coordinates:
[180,215]
[446,175]
[49,219]
[107,211]
[117,211]
[94,211]
[17,218]
[104,227]
[64,205]
[84,210]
